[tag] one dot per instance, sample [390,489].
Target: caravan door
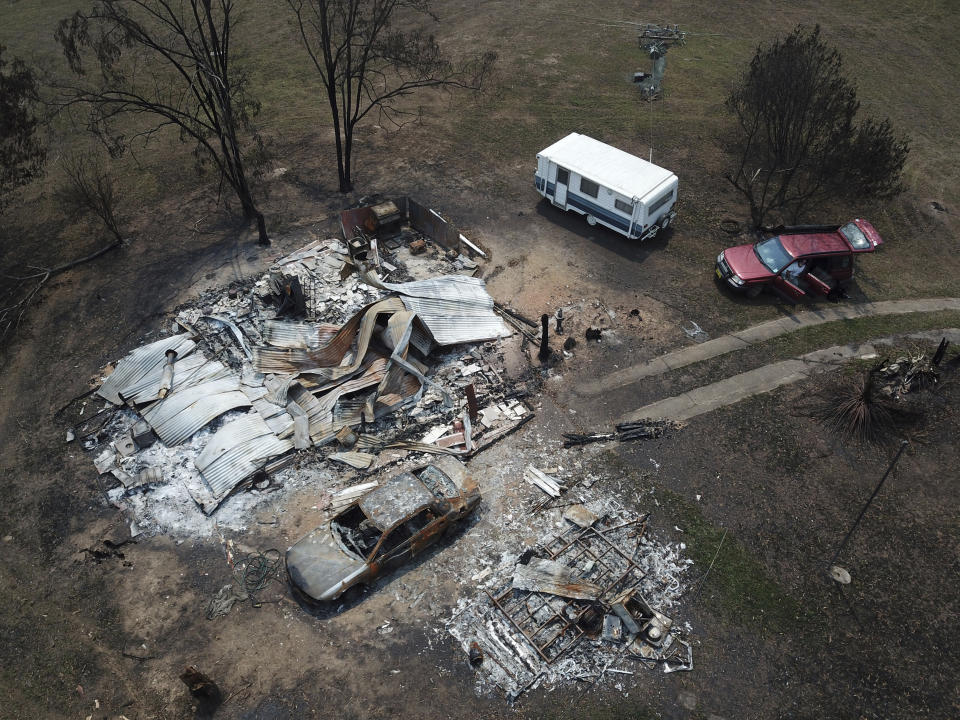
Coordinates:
[636,229]
[560,189]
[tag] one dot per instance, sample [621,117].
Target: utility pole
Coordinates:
[836,572]
[655,40]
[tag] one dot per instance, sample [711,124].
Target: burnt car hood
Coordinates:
[744,262]
[318,566]
[469,491]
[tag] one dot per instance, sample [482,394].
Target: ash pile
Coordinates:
[321,362]
[585,605]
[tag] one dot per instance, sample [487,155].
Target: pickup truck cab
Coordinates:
[800,261]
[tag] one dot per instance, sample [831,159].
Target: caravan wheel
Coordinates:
[664,222]
[591,220]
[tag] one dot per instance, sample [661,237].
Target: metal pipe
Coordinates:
[166,378]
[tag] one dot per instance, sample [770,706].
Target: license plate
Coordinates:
[719,274]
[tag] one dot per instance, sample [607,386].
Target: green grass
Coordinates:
[563,68]
[586,88]
[738,588]
[863,329]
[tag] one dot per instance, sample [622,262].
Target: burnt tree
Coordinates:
[90,189]
[21,150]
[366,65]
[170,61]
[798,138]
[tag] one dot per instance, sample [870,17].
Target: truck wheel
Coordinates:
[591,220]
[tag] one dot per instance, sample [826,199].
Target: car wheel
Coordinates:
[753,291]
[352,594]
[591,220]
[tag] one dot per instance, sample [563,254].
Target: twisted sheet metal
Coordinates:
[455,308]
[236,451]
[277,418]
[325,360]
[322,412]
[140,362]
[232,327]
[284,334]
[185,411]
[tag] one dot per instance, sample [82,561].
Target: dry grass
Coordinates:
[563,68]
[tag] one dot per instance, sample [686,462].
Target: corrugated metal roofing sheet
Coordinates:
[359,328]
[132,368]
[358,460]
[277,418]
[331,411]
[297,334]
[185,411]
[455,308]
[452,322]
[237,450]
[192,370]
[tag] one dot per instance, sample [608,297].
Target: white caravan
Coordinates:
[611,187]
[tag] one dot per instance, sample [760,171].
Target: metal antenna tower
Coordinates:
[655,40]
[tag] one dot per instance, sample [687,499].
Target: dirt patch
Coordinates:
[774,638]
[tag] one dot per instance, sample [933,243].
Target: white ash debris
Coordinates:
[166,504]
[509,528]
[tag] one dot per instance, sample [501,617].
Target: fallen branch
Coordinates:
[12,315]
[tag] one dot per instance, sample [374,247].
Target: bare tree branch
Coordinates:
[11,316]
[170,59]
[365,65]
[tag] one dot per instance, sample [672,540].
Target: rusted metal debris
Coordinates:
[392,523]
[583,582]
[313,382]
[643,430]
[547,576]
[579,515]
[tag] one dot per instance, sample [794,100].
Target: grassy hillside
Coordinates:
[563,68]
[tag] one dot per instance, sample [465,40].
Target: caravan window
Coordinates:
[623,206]
[660,202]
[589,187]
[563,177]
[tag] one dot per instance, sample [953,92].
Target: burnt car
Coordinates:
[800,261]
[386,527]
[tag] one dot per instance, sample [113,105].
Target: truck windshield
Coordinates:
[772,254]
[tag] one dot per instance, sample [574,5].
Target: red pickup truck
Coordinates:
[800,261]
